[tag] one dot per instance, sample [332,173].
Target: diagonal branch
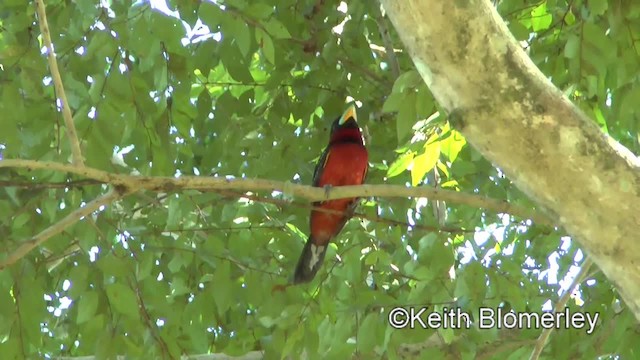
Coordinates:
[560,305]
[205,183]
[57,83]
[26,246]
[388,44]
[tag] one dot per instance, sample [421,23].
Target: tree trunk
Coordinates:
[511,113]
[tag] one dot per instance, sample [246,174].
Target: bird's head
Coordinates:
[345,128]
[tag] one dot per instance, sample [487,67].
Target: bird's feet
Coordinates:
[327,189]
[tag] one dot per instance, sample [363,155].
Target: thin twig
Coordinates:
[375,219]
[26,246]
[54,260]
[148,319]
[560,305]
[206,183]
[57,83]
[388,44]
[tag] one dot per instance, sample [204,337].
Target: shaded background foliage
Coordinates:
[248,89]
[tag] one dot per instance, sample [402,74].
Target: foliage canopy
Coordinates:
[249,89]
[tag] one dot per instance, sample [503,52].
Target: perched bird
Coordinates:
[343,162]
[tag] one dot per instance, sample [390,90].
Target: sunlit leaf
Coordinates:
[424,162]
[400,164]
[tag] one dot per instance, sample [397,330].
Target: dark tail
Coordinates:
[309,263]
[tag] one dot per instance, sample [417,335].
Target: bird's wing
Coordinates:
[317,173]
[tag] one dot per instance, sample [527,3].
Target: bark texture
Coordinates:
[510,112]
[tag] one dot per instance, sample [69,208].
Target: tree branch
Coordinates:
[49,185]
[517,119]
[86,172]
[204,183]
[560,306]
[388,44]
[26,246]
[251,355]
[57,83]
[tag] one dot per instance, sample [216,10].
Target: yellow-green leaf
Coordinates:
[452,145]
[540,18]
[400,165]
[424,162]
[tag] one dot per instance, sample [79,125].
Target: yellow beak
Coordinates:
[350,113]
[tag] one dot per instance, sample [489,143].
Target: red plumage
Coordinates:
[343,162]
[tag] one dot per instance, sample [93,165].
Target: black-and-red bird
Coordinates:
[343,162]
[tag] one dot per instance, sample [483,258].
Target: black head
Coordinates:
[348,120]
[345,128]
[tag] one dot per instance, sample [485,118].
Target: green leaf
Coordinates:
[235,63]
[259,10]
[407,117]
[370,332]
[96,88]
[540,18]
[420,168]
[276,29]
[145,264]
[113,265]
[424,102]
[123,299]
[598,49]
[211,14]
[393,102]
[179,287]
[598,7]
[180,260]
[407,81]
[253,98]
[447,334]
[229,212]
[12,348]
[293,342]
[104,348]
[160,77]
[87,306]
[222,287]
[175,213]
[266,44]
[452,145]
[20,220]
[168,28]
[572,47]
[401,164]
[425,162]
[570,19]
[241,244]
[241,34]
[519,31]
